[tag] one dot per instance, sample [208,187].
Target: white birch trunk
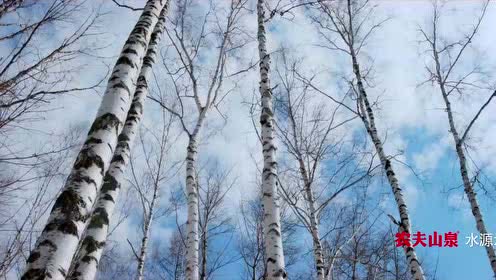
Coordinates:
[274,257]
[369,122]
[192,224]
[468,187]
[88,257]
[318,252]
[55,248]
[146,234]
[314,230]
[142,255]
[204,248]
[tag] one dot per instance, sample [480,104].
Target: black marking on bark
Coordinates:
[66,226]
[122,137]
[108,197]
[280,273]
[35,274]
[130,50]
[275,231]
[99,219]
[93,140]
[79,178]
[87,259]
[109,184]
[62,271]
[91,244]
[48,243]
[106,121]
[33,257]
[123,145]
[125,60]
[122,85]
[118,158]
[86,159]
[69,202]
[135,107]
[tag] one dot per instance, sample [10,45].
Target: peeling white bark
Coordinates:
[318,253]
[146,235]
[313,225]
[88,257]
[467,184]
[274,257]
[368,119]
[58,242]
[192,238]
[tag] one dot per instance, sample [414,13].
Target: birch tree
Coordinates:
[20,216]
[363,248]
[158,170]
[448,74]
[215,226]
[347,19]
[274,255]
[173,262]
[193,78]
[251,244]
[312,137]
[35,72]
[58,242]
[90,252]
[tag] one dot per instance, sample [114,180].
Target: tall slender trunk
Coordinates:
[317,244]
[468,187]
[314,223]
[331,266]
[204,247]
[274,257]
[58,242]
[146,235]
[369,122]
[142,255]
[192,237]
[88,257]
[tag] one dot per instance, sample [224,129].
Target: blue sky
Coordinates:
[411,116]
[442,211]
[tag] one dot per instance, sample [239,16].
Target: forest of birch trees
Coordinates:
[247,139]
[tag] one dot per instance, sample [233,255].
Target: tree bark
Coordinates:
[314,223]
[368,119]
[274,257]
[468,187]
[192,240]
[317,244]
[58,242]
[204,240]
[146,234]
[88,257]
